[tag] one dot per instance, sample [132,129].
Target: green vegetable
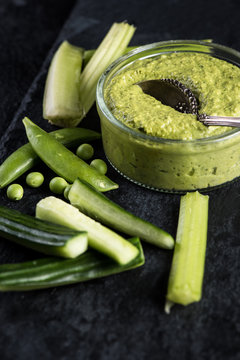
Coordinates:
[51,272]
[61,103]
[99,237]
[186,275]
[34,179]
[57,185]
[102,209]
[40,235]
[15,192]
[62,161]
[85,151]
[24,158]
[87,55]
[66,191]
[99,165]
[112,46]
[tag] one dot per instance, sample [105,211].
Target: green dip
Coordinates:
[215,83]
[159,147]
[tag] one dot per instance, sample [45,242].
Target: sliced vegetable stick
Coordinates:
[99,237]
[186,275]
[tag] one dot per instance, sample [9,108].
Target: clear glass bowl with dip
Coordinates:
[169,165]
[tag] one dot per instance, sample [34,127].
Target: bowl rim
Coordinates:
[138,50]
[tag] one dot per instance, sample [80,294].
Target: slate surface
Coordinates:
[120,317]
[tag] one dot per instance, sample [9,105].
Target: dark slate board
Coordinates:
[122,317]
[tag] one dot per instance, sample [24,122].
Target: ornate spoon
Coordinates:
[173,93]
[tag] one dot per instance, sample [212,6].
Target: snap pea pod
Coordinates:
[62,161]
[24,158]
[51,272]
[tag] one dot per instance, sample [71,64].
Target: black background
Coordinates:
[120,317]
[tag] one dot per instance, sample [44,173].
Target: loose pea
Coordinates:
[99,165]
[57,185]
[85,151]
[34,179]
[66,191]
[15,192]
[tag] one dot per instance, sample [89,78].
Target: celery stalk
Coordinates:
[61,103]
[186,275]
[88,54]
[112,47]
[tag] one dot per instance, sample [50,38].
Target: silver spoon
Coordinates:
[173,93]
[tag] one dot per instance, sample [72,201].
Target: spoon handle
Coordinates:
[219,120]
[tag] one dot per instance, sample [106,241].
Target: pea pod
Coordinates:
[62,161]
[24,158]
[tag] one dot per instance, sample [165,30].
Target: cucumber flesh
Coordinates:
[40,235]
[99,207]
[99,237]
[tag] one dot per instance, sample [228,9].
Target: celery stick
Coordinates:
[112,46]
[186,275]
[61,103]
[89,53]
[100,238]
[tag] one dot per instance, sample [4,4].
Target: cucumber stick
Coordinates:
[51,272]
[99,237]
[61,103]
[98,206]
[187,270]
[40,235]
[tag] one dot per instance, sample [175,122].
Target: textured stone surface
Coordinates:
[119,317]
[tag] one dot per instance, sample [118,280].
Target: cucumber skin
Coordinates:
[36,234]
[52,272]
[24,158]
[99,207]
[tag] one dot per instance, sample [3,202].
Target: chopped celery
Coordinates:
[99,237]
[186,275]
[113,46]
[89,53]
[61,103]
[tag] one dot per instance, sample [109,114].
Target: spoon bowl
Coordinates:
[172,93]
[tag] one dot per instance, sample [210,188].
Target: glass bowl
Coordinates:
[164,164]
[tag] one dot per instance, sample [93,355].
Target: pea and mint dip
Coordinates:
[214,82]
[181,154]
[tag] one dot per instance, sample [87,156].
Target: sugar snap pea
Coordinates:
[24,158]
[62,161]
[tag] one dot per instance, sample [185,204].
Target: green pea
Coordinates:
[34,179]
[99,165]
[15,192]
[57,185]
[85,151]
[66,191]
